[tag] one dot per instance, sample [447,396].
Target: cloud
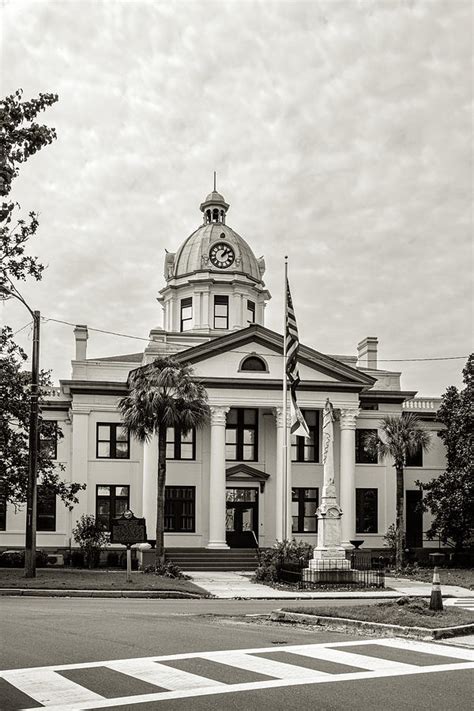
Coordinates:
[338,128]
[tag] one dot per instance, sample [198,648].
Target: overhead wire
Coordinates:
[270,355]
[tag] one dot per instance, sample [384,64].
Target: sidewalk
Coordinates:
[238,585]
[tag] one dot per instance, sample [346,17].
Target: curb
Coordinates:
[342,624]
[44,592]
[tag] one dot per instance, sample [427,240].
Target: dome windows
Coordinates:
[253,363]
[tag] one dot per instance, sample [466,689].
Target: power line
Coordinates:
[269,355]
[98,330]
[23,327]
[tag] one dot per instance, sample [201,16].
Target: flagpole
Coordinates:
[285,405]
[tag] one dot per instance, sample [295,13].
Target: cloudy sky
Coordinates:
[340,132]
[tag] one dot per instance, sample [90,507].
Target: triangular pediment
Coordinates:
[222,357]
[244,472]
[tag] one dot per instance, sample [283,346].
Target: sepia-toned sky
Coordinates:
[341,134]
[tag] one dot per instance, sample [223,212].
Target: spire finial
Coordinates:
[215,181]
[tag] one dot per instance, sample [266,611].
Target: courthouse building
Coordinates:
[225,481]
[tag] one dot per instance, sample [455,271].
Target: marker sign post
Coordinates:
[127,530]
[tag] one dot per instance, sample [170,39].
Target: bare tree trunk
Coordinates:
[400,525]
[160,498]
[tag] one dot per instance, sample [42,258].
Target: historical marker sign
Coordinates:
[128,529]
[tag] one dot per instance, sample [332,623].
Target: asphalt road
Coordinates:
[43,632]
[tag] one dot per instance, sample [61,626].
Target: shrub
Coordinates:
[166,570]
[90,538]
[270,561]
[16,559]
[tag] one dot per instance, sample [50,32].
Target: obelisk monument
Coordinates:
[329,553]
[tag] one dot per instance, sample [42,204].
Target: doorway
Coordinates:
[241,517]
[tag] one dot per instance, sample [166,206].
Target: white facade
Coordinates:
[230,478]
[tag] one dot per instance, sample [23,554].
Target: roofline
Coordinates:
[274,341]
[389,396]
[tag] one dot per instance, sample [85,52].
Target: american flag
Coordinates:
[298,424]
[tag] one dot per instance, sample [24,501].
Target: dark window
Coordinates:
[241,435]
[415,459]
[304,503]
[221,312]
[45,509]
[305,449]
[367,511]
[179,445]
[48,438]
[113,441]
[369,406]
[254,363]
[363,454]
[250,312]
[186,314]
[3,511]
[111,501]
[180,507]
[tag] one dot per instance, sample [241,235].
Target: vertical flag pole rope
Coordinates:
[285,418]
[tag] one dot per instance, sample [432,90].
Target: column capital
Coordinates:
[348,418]
[278,412]
[218,414]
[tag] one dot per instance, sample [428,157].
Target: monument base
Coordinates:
[329,559]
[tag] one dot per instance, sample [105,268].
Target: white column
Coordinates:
[79,415]
[149,492]
[283,493]
[279,511]
[205,313]
[347,478]
[217,483]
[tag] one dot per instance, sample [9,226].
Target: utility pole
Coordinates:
[30,532]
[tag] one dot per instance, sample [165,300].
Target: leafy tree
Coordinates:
[14,428]
[450,496]
[20,137]
[401,436]
[163,394]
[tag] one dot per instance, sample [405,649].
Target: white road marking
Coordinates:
[464,603]
[161,675]
[279,670]
[41,683]
[352,660]
[49,688]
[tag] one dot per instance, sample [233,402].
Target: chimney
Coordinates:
[81,335]
[367,353]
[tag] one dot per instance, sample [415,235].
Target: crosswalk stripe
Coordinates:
[50,688]
[279,670]
[253,686]
[352,660]
[162,675]
[429,648]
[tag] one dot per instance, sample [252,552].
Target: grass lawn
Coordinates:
[448,576]
[76,579]
[414,613]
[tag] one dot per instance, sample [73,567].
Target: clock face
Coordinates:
[221,255]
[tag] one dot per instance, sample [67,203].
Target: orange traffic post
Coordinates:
[436,601]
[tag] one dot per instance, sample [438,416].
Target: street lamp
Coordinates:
[30,532]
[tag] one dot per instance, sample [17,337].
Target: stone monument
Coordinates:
[329,553]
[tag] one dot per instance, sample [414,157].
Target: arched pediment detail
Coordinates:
[245,473]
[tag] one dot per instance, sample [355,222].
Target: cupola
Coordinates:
[214,207]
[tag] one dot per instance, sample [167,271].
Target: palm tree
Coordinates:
[163,394]
[401,436]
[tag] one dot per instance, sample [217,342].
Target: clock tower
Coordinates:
[214,282]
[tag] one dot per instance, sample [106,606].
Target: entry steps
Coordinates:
[205,559]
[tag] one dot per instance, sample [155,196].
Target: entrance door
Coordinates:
[414,515]
[241,517]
